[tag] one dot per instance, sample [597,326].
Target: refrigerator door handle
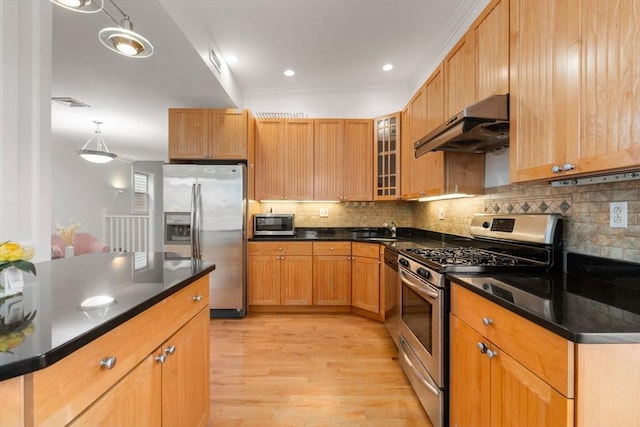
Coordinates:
[198,221]
[193,231]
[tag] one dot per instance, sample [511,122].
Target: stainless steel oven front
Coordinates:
[422,334]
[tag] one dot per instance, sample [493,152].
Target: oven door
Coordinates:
[421,322]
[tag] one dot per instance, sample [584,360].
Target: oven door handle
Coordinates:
[425,292]
[427,382]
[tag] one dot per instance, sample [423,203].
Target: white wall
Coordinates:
[84,191]
[25,124]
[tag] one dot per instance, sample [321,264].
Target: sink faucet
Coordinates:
[392,227]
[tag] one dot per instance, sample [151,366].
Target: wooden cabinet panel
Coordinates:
[470,378]
[263,280]
[358,160]
[332,248]
[298,152]
[13,406]
[610,94]
[284,160]
[185,379]
[365,283]
[328,161]
[228,134]
[187,133]
[269,160]
[332,280]
[520,398]
[460,75]
[296,280]
[133,401]
[544,84]
[406,154]
[492,35]
[369,250]
[280,248]
[418,114]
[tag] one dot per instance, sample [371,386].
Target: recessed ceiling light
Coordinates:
[289,73]
[232,59]
[387,67]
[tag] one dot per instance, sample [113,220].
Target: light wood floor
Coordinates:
[308,370]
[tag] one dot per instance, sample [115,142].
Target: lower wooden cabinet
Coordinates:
[335,275]
[365,277]
[159,374]
[332,273]
[493,378]
[280,273]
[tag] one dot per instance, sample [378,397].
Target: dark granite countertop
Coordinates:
[46,321]
[596,302]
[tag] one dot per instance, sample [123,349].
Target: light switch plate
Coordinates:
[324,213]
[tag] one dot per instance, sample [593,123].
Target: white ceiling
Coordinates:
[331,44]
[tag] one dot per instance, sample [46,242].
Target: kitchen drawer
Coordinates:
[66,388]
[367,250]
[332,248]
[280,248]
[548,355]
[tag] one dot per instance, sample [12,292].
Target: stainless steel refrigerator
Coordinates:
[204,217]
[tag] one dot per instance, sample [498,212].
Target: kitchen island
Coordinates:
[115,338]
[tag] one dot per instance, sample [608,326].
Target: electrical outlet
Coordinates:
[618,214]
[324,213]
[441,213]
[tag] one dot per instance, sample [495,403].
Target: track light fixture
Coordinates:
[99,152]
[121,39]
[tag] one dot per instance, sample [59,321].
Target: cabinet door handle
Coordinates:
[482,347]
[108,362]
[491,354]
[170,350]
[197,298]
[487,321]
[161,358]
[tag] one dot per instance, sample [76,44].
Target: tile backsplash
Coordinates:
[585,208]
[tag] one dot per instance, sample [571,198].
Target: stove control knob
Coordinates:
[403,262]
[485,224]
[423,272]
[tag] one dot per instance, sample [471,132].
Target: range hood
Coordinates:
[482,127]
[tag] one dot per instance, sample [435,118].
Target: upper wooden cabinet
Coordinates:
[207,134]
[284,159]
[387,157]
[574,92]
[343,159]
[492,41]
[460,75]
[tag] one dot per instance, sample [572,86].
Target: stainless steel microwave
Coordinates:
[273,225]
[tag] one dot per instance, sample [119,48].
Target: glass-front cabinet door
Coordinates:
[387,157]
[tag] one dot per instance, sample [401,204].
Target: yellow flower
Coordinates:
[14,255]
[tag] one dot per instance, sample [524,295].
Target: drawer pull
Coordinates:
[279,249]
[491,354]
[161,358]
[332,249]
[108,362]
[170,350]
[487,321]
[197,298]
[482,347]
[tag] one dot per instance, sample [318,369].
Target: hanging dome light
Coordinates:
[101,152]
[125,41]
[82,6]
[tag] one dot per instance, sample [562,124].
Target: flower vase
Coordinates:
[69,251]
[11,280]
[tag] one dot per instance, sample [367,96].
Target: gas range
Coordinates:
[500,243]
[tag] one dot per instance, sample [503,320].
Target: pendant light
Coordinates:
[82,6]
[121,39]
[98,152]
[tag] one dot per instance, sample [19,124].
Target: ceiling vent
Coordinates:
[69,102]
